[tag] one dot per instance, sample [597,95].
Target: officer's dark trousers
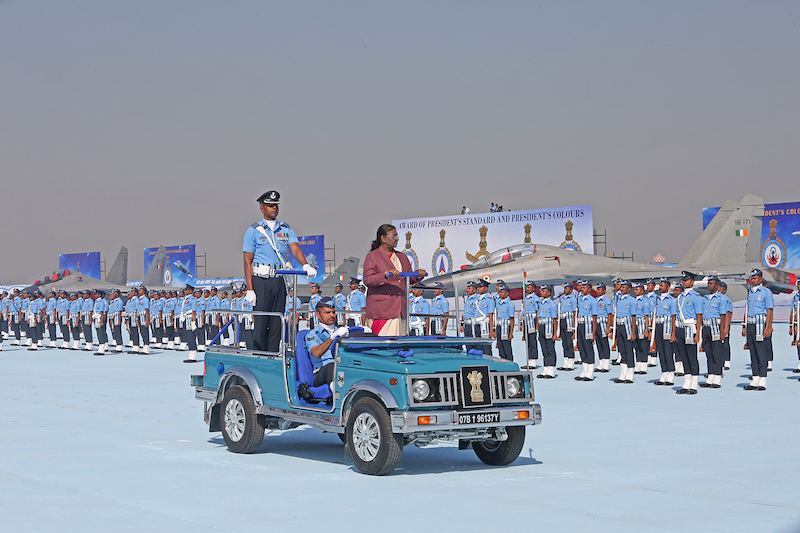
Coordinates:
[33,333]
[548,348]
[200,335]
[726,348]
[213,331]
[566,339]
[3,325]
[531,344]
[469,331]
[87,333]
[603,349]
[64,331]
[189,337]
[503,346]
[169,332]
[715,356]
[585,346]
[768,340]
[116,333]
[134,334]
[158,333]
[102,334]
[642,349]
[687,353]
[76,333]
[51,331]
[144,332]
[486,348]
[664,350]
[270,296]
[16,329]
[759,352]
[625,346]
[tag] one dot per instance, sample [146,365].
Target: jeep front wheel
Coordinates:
[501,452]
[240,427]
[372,445]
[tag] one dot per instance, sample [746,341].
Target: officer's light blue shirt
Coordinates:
[289,303]
[339,301]
[131,304]
[258,244]
[357,301]
[314,338]
[312,302]
[100,305]
[470,308]
[143,305]
[713,306]
[115,305]
[587,305]
[642,307]
[667,305]
[419,306]
[75,307]
[530,304]
[605,306]
[690,304]
[569,302]
[626,306]
[440,305]
[88,305]
[485,306]
[759,300]
[547,308]
[728,303]
[505,309]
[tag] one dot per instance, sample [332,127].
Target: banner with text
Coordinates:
[313,247]
[780,234]
[87,263]
[444,244]
[180,265]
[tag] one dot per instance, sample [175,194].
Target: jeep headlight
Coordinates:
[513,387]
[421,389]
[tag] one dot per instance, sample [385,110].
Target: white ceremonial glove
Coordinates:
[250,297]
[367,329]
[341,332]
[311,272]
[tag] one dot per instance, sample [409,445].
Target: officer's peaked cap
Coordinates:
[688,275]
[338,285]
[756,272]
[471,284]
[713,278]
[601,285]
[483,283]
[354,281]
[270,197]
[626,282]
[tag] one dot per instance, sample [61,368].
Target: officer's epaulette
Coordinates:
[254,226]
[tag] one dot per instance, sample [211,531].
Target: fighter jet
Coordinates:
[729,247]
[183,268]
[72,281]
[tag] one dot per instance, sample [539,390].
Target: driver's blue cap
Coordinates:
[325,301]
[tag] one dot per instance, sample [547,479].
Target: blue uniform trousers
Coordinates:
[687,353]
[759,352]
[715,355]
[270,296]
[664,350]
[625,346]
[585,346]
[548,348]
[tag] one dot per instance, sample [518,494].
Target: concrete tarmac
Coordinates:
[118,443]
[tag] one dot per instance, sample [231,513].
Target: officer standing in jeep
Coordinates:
[266,247]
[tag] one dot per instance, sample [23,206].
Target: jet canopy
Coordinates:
[503,255]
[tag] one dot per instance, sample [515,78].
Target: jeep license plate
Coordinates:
[479,418]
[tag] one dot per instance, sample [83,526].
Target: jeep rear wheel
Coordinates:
[369,439]
[501,452]
[240,427]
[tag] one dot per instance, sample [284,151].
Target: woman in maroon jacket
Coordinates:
[386,298]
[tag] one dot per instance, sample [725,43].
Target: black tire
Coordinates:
[369,439]
[240,427]
[496,452]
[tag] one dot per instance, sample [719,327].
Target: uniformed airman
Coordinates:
[312,304]
[641,344]
[186,316]
[356,301]
[439,306]
[504,329]
[75,310]
[666,309]
[484,316]
[132,318]
[417,305]
[100,321]
[87,312]
[625,332]
[212,315]
[652,300]
[339,302]
[547,318]
[726,339]
[469,313]
[567,307]
[530,306]
[586,330]
[714,312]
[266,247]
[758,328]
[794,326]
[687,334]
[115,310]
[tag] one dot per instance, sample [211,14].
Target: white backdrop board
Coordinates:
[443,244]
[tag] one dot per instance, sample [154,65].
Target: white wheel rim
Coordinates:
[234,419]
[366,437]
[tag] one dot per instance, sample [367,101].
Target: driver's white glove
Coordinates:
[250,297]
[367,329]
[311,272]
[341,332]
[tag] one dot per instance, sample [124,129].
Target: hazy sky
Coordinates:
[160,122]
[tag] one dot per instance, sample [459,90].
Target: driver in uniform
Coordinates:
[318,343]
[266,246]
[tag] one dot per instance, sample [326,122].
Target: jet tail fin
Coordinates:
[346,270]
[118,275]
[155,274]
[732,238]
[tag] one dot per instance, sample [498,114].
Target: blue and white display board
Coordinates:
[444,244]
[86,263]
[180,265]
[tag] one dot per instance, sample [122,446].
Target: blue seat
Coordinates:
[304,370]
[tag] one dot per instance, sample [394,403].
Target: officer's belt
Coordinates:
[710,321]
[754,319]
[264,270]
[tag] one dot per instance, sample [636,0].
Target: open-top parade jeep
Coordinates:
[389,392]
